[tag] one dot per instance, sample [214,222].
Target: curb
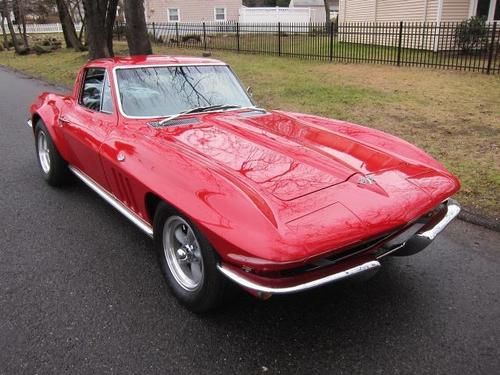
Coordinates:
[471,215]
[467,214]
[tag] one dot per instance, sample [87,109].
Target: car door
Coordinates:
[87,123]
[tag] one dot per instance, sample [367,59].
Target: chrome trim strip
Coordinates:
[453,211]
[244,282]
[396,248]
[113,201]
[30,124]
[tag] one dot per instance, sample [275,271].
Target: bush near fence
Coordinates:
[398,43]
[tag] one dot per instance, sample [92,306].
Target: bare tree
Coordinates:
[100,18]
[68,26]
[19,14]
[137,33]
[327,12]
[7,9]
[2,24]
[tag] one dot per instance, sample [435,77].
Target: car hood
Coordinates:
[280,155]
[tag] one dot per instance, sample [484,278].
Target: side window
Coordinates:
[106,102]
[92,88]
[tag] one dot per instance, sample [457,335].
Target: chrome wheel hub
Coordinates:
[182,253]
[43,152]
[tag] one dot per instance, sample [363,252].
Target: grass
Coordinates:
[455,116]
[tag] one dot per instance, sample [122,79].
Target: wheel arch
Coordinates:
[151,202]
[34,119]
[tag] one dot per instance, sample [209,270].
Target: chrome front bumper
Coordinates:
[29,123]
[400,245]
[418,241]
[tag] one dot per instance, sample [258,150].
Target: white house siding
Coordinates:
[432,11]
[403,10]
[455,10]
[400,10]
[191,10]
[357,10]
[408,11]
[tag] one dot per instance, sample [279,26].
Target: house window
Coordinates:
[173,15]
[488,9]
[483,8]
[220,14]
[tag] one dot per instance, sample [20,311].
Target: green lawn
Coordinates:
[455,116]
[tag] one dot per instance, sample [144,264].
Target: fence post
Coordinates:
[154,32]
[177,33]
[279,37]
[331,40]
[238,35]
[492,47]
[204,37]
[399,41]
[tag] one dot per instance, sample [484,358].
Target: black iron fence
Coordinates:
[439,45]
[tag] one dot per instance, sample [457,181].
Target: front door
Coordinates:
[88,121]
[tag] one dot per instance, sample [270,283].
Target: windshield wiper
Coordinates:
[216,107]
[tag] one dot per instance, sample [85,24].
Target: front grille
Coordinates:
[338,256]
[378,241]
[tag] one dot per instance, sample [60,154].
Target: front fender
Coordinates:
[47,108]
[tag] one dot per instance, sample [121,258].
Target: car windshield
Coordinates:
[168,90]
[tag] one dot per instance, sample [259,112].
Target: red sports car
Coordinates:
[274,201]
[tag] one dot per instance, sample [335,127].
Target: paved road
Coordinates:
[80,292]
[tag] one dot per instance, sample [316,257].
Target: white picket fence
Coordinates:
[45,28]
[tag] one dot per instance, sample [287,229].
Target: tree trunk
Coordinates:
[4,33]
[70,36]
[22,17]
[327,12]
[6,12]
[137,33]
[110,24]
[82,31]
[100,16]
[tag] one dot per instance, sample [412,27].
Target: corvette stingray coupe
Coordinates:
[273,201]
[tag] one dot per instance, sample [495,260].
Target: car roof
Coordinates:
[122,61]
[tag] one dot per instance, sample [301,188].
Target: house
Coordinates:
[317,7]
[192,10]
[417,10]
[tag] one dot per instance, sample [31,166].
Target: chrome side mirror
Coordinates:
[249,91]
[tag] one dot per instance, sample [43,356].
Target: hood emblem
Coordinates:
[366,180]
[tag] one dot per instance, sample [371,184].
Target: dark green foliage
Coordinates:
[471,35]
[191,38]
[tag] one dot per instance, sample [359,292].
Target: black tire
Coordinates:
[56,172]
[213,289]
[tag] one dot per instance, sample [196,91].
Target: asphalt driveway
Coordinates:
[81,293]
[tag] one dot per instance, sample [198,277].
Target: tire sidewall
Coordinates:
[58,171]
[206,296]
[40,127]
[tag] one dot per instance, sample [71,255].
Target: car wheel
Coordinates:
[54,168]
[188,261]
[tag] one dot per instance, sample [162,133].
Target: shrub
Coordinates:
[191,38]
[471,34]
